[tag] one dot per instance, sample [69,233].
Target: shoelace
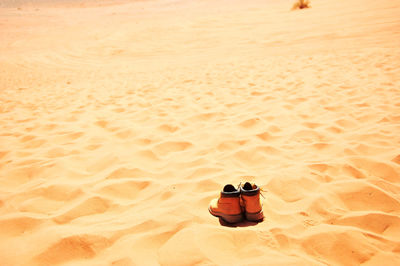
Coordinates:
[262,190]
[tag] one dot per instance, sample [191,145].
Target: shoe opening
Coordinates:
[229,188]
[248,186]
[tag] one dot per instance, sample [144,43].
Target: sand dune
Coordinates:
[120,121]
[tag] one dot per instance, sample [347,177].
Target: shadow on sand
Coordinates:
[243,223]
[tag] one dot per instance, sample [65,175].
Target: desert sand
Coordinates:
[121,120]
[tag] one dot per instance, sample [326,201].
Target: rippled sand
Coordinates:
[120,122]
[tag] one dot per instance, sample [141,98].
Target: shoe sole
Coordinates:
[255,217]
[229,218]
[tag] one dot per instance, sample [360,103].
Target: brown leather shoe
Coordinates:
[227,206]
[251,201]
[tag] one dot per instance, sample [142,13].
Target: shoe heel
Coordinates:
[232,219]
[255,217]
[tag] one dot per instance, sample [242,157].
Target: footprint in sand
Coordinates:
[127,188]
[90,206]
[18,225]
[171,146]
[73,248]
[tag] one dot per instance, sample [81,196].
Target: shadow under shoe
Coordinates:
[227,206]
[243,223]
[250,194]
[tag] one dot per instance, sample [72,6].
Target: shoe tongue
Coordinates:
[229,188]
[247,186]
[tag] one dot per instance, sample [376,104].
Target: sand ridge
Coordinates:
[121,122]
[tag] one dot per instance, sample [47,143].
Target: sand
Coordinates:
[121,120]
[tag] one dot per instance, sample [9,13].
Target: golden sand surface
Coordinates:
[121,120]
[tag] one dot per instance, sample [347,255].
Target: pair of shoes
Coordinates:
[235,204]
